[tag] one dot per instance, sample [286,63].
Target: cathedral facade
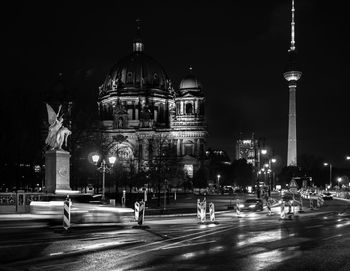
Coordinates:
[145,120]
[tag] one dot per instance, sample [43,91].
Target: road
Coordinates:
[315,240]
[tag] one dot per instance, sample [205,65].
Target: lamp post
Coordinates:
[218,177]
[104,167]
[330,173]
[272,162]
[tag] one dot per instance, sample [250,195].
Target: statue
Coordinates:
[58,134]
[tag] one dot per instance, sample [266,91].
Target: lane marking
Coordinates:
[315,226]
[187,245]
[210,232]
[335,236]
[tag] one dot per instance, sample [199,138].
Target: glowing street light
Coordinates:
[104,167]
[347,158]
[218,177]
[263,151]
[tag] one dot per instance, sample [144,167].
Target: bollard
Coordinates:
[198,209]
[283,215]
[238,211]
[123,198]
[212,212]
[141,213]
[66,213]
[311,204]
[301,206]
[137,211]
[145,195]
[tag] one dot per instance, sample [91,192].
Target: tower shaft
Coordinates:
[292,128]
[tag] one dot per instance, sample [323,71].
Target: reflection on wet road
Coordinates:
[256,242]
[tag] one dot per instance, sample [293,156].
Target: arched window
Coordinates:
[129,77]
[189,108]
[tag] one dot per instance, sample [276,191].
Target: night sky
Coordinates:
[238,50]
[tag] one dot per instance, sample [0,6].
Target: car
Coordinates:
[84,209]
[327,196]
[252,204]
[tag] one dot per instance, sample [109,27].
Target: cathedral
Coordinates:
[146,120]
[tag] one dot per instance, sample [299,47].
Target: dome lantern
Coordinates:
[137,45]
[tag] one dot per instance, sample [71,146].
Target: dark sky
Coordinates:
[238,50]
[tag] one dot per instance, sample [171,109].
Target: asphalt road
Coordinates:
[315,240]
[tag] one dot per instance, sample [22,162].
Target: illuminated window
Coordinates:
[188,170]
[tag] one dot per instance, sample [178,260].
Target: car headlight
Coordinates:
[252,206]
[241,205]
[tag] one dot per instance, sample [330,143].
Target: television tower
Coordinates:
[292,74]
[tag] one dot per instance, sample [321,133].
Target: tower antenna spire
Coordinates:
[292,41]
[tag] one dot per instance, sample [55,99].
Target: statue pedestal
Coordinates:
[57,171]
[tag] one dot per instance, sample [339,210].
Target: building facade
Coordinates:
[146,120]
[250,150]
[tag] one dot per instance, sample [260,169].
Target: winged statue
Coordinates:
[58,134]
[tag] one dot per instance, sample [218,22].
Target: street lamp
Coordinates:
[339,180]
[263,151]
[347,158]
[218,177]
[271,162]
[104,167]
[330,172]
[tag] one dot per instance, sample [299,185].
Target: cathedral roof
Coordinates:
[136,73]
[190,84]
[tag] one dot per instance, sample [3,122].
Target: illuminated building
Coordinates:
[145,120]
[292,74]
[248,149]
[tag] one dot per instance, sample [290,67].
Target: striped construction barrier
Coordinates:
[137,210]
[141,217]
[212,212]
[268,204]
[66,213]
[320,201]
[283,214]
[203,210]
[238,210]
[198,209]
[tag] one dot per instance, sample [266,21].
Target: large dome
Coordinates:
[135,73]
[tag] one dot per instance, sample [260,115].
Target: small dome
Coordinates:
[190,82]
